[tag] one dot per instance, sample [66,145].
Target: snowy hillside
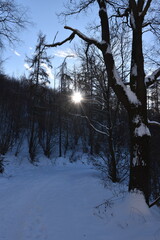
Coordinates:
[70,202]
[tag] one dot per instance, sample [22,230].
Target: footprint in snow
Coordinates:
[35,227]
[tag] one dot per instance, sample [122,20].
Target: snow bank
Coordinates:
[130,218]
[57,201]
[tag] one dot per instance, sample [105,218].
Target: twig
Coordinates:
[70,38]
[154,202]
[154,123]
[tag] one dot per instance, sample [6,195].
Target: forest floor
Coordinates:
[70,202]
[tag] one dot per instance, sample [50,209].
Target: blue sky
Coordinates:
[43,15]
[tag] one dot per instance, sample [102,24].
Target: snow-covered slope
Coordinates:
[66,203]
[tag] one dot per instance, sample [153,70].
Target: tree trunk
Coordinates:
[60,132]
[139,153]
[112,161]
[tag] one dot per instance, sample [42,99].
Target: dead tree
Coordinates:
[13,19]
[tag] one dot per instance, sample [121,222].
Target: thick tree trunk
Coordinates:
[139,154]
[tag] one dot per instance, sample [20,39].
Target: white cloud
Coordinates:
[16,53]
[48,70]
[27,66]
[65,53]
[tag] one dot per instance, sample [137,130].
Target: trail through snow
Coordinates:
[58,203]
[48,204]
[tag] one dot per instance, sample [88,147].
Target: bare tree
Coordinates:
[13,19]
[136,16]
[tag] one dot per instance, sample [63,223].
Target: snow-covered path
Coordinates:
[58,203]
[49,204]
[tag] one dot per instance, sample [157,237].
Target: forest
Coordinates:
[80,155]
[49,122]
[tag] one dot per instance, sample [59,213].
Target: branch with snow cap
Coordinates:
[124,93]
[142,130]
[152,78]
[85,38]
[155,123]
[75,32]
[132,98]
[95,128]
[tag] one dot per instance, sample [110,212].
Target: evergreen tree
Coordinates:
[38,80]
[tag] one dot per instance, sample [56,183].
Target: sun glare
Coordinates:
[77,97]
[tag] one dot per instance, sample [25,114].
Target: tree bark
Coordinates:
[139,153]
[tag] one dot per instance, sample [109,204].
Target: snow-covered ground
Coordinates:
[69,202]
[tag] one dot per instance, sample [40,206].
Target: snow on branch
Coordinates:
[84,37]
[96,129]
[79,34]
[101,125]
[131,96]
[152,78]
[154,123]
[142,130]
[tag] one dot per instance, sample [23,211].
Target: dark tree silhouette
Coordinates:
[38,79]
[13,19]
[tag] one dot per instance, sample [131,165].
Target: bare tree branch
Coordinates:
[70,38]
[146,8]
[84,37]
[97,130]
[154,202]
[13,18]
[74,8]
[154,123]
[152,78]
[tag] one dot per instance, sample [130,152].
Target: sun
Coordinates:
[77,97]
